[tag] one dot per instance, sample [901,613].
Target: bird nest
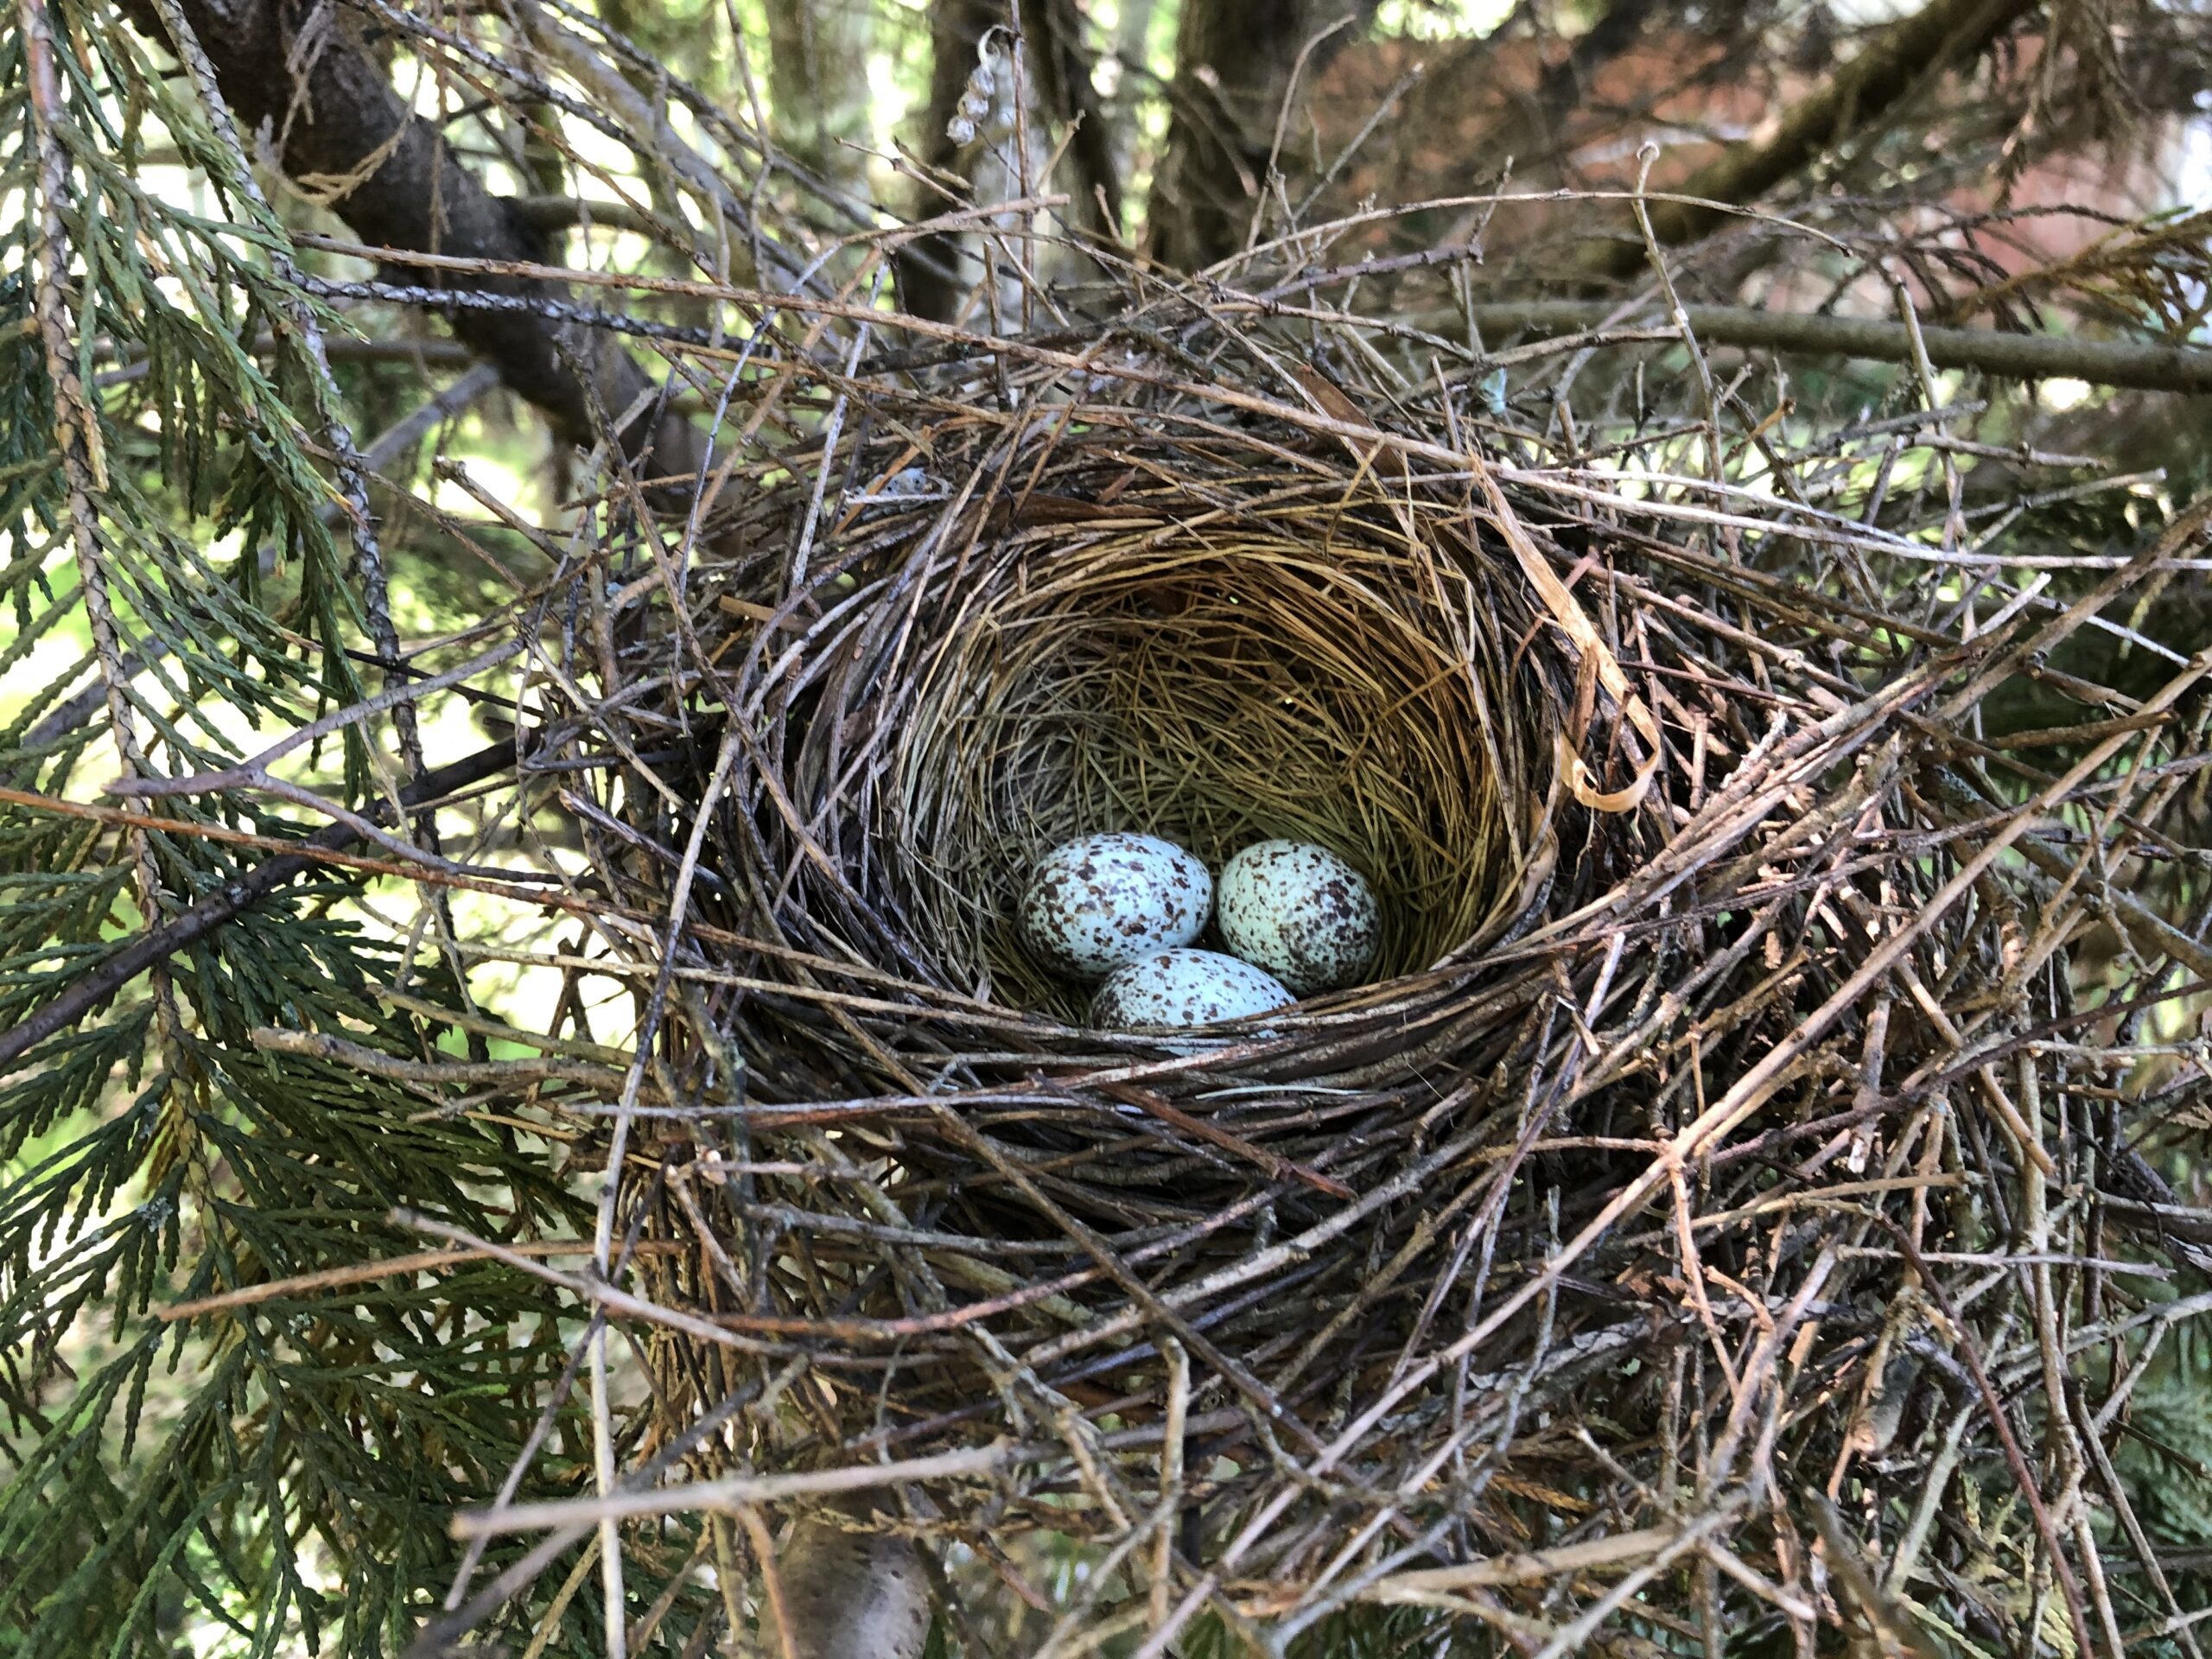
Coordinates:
[1216,660]
[1652,1194]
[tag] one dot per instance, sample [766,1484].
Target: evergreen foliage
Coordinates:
[290,1482]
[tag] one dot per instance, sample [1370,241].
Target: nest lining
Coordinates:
[1218,691]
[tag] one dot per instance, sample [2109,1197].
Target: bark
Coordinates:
[853,1595]
[1237,63]
[333,120]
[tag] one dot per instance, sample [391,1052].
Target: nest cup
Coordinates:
[1307,666]
[1216,691]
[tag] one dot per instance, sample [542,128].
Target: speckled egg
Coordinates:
[1105,900]
[1302,913]
[1175,989]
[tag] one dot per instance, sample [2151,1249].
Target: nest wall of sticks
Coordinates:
[1630,1209]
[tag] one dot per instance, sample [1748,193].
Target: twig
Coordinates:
[368,1272]
[375,1063]
[1530,1567]
[2137,365]
[730,1493]
[1994,1403]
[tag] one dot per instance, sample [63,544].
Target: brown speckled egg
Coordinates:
[1175,990]
[1105,900]
[1302,913]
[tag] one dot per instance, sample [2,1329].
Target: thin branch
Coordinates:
[728,1493]
[300,1284]
[2140,365]
[341,119]
[550,213]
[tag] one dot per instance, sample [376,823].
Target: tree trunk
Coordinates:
[1237,63]
[934,271]
[1062,67]
[1132,33]
[818,88]
[852,1595]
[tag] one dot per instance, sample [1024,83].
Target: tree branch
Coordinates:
[2138,365]
[401,186]
[1852,99]
[549,214]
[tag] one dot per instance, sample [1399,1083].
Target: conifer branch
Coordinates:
[155,945]
[1900,59]
[339,118]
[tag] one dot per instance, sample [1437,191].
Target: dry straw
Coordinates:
[1714,1195]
